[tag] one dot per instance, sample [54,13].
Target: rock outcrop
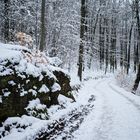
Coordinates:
[21,82]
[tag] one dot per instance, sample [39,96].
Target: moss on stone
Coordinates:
[15,104]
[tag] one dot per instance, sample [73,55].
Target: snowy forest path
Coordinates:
[114,117]
[135,104]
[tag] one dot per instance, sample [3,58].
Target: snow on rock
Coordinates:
[0,99]
[35,104]
[23,58]
[23,121]
[26,75]
[17,127]
[6,72]
[9,54]
[14,47]
[36,109]
[64,101]
[34,92]
[6,94]
[44,89]
[24,128]
[12,83]
[55,87]
[25,78]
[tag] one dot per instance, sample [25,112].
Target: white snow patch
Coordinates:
[55,87]
[35,104]
[12,83]
[6,94]
[22,93]
[44,89]
[0,99]
[33,92]
[64,100]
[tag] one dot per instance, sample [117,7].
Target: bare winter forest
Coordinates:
[63,62]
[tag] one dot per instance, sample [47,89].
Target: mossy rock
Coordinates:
[14,104]
[64,82]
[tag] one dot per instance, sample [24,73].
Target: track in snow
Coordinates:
[115,116]
[63,128]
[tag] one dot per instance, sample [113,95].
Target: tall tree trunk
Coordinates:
[113,60]
[42,32]
[129,48]
[137,55]
[121,49]
[138,25]
[121,53]
[36,25]
[136,49]
[125,44]
[135,59]
[6,23]
[107,46]
[101,40]
[137,80]
[81,47]
[137,16]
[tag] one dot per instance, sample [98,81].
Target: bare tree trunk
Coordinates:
[113,60]
[107,45]
[125,44]
[137,80]
[136,57]
[81,47]
[137,16]
[42,34]
[129,48]
[36,25]
[6,23]
[121,49]
[101,40]
[138,25]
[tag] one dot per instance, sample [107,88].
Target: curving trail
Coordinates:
[116,115]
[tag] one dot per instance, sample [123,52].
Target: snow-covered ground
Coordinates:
[102,111]
[115,115]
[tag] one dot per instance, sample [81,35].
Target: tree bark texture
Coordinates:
[42,32]
[6,22]
[82,32]
[137,80]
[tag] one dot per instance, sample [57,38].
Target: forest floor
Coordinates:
[102,111]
